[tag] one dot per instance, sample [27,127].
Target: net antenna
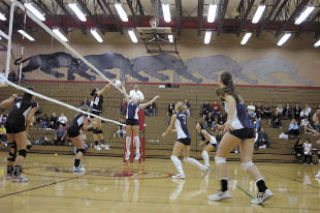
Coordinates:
[4,78]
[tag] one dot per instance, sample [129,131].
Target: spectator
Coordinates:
[259,110]
[257,124]
[85,102]
[293,128]
[251,107]
[307,151]
[206,108]
[53,122]
[60,136]
[221,119]
[123,107]
[63,120]
[287,112]
[170,109]
[306,112]
[276,120]
[3,132]
[44,121]
[188,105]
[316,122]
[298,150]
[267,111]
[121,132]
[210,121]
[263,141]
[216,108]
[279,110]
[296,112]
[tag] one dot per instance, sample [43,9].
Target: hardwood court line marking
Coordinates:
[292,179]
[37,187]
[245,192]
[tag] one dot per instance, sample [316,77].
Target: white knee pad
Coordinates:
[173,157]
[247,165]
[219,160]
[187,159]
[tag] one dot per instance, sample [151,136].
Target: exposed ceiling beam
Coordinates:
[141,12]
[88,12]
[283,4]
[179,16]
[244,18]
[292,17]
[300,31]
[222,14]
[48,13]
[265,21]
[105,7]
[129,2]
[200,15]
[64,9]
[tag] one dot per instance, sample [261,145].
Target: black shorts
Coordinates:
[244,133]
[73,132]
[96,113]
[14,128]
[185,141]
[132,122]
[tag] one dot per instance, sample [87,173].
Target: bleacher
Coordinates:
[156,146]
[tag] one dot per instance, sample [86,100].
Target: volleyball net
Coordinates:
[13,50]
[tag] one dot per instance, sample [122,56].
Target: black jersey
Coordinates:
[96,104]
[17,118]
[75,125]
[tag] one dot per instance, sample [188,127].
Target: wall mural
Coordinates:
[142,68]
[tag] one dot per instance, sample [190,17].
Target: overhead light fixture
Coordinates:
[35,11]
[166,12]
[29,37]
[207,37]
[2,17]
[317,44]
[2,34]
[212,12]
[284,39]
[121,12]
[60,34]
[75,8]
[170,37]
[0,38]
[246,38]
[96,35]
[304,15]
[257,16]
[133,36]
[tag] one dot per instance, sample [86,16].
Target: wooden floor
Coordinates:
[109,186]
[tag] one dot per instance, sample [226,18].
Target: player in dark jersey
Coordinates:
[132,124]
[208,142]
[178,124]
[96,108]
[74,131]
[238,131]
[22,111]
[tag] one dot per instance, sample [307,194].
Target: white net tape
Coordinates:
[4,81]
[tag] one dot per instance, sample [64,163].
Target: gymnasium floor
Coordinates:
[108,186]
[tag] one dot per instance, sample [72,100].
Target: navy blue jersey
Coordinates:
[181,126]
[132,110]
[241,118]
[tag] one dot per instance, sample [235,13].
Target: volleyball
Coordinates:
[117,83]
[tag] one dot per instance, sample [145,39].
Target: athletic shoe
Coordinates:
[79,169]
[318,175]
[179,176]
[97,147]
[127,156]
[8,176]
[106,146]
[220,195]
[19,178]
[261,197]
[103,145]
[137,156]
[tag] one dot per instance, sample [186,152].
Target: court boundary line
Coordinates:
[36,187]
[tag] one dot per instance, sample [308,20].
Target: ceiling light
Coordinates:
[96,35]
[212,12]
[207,37]
[304,15]
[284,39]
[26,35]
[257,16]
[317,44]
[166,12]
[75,8]
[245,38]
[133,36]
[60,34]
[170,37]
[121,12]
[2,17]
[35,11]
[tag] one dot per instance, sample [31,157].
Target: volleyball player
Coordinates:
[22,111]
[208,141]
[96,108]
[74,131]
[316,120]
[178,123]
[132,124]
[238,131]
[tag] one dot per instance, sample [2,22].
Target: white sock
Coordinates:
[177,164]
[205,157]
[136,141]
[194,162]
[128,143]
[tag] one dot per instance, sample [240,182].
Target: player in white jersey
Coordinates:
[238,131]
[178,124]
